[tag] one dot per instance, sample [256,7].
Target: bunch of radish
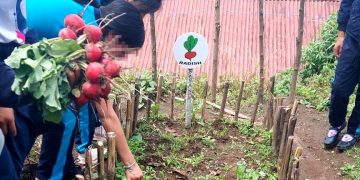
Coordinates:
[99,67]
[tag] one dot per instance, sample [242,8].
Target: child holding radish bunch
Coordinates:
[56,160]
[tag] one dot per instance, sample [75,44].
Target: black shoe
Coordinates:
[331,142]
[345,145]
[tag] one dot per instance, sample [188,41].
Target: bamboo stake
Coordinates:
[111,155]
[159,88]
[88,161]
[206,87]
[128,119]
[216,52]
[136,104]
[285,163]
[172,103]
[223,103]
[299,42]
[101,167]
[153,47]
[238,101]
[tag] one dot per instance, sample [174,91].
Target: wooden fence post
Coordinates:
[128,119]
[136,104]
[223,103]
[101,166]
[285,162]
[299,41]
[148,105]
[153,47]
[269,118]
[111,155]
[281,115]
[159,89]
[216,52]
[88,161]
[206,87]
[238,101]
[172,102]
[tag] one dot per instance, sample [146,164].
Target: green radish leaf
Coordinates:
[51,94]
[17,56]
[63,48]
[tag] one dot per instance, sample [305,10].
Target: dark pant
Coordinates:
[347,76]
[55,162]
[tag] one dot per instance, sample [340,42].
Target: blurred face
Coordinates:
[117,49]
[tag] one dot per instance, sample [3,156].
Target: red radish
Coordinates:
[74,22]
[106,91]
[93,33]
[92,91]
[93,53]
[94,72]
[66,33]
[83,99]
[112,68]
[190,55]
[106,59]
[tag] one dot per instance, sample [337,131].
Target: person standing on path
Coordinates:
[347,76]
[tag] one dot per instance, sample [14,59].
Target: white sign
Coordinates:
[191,50]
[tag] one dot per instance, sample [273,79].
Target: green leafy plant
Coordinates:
[319,52]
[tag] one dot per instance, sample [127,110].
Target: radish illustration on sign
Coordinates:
[189,46]
[191,50]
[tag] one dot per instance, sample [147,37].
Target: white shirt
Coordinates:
[9,30]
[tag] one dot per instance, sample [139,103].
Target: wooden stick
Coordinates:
[299,42]
[88,161]
[136,104]
[285,163]
[203,109]
[228,111]
[278,127]
[258,100]
[290,169]
[294,108]
[172,102]
[269,118]
[223,103]
[128,119]
[159,88]
[148,105]
[284,137]
[111,155]
[216,52]
[116,107]
[101,167]
[262,53]
[153,47]
[296,171]
[238,101]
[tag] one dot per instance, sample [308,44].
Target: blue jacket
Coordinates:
[349,18]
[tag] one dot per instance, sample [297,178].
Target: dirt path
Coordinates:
[316,162]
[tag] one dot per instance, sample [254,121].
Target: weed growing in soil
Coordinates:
[351,171]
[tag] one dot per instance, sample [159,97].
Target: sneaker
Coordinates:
[347,141]
[331,138]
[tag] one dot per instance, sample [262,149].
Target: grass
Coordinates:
[351,171]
